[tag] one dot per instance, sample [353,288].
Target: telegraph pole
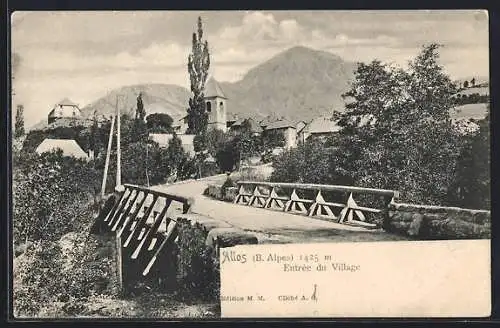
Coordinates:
[119,186]
[108,154]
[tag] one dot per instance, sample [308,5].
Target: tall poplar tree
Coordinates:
[198,65]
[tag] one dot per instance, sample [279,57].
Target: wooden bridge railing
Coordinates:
[285,197]
[137,218]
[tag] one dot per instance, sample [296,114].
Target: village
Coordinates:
[66,113]
[128,201]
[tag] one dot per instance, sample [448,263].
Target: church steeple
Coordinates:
[215,102]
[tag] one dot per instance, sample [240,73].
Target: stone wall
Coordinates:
[425,222]
[225,194]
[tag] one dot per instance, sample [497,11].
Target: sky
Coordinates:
[84,55]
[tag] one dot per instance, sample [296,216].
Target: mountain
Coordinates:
[299,83]
[157,98]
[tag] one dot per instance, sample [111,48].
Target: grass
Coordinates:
[257,173]
[479,90]
[469,111]
[145,306]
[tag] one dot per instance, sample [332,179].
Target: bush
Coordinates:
[37,280]
[198,271]
[52,195]
[310,162]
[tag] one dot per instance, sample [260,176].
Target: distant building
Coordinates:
[253,125]
[236,125]
[163,139]
[69,148]
[300,125]
[287,128]
[215,104]
[319,127]
[64,109]
[231,119]
[181,125]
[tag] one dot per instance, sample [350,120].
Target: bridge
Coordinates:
[271,226]
[146,222]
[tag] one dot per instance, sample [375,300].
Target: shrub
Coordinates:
[198,276]
[37,280]
[51,195]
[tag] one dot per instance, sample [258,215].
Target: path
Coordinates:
[271,226]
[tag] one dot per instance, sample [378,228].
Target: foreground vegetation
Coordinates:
[62,270]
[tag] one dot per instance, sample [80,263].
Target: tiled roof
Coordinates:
[187,140]
[66,102]
[213,89]
[281,124]
[69,147]
[322,125]
[239,121]
[254,126]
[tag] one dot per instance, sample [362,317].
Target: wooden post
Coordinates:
[118,149]
[119,263]
[108,154]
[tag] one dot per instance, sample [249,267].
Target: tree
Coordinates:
[19,125]
[140,111]
[272,139]
[473,82]
[466,84]
[397,132]
[472,182]
[198,66]
[210,140]
[159,123]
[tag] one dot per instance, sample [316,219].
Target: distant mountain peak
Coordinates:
[300,50]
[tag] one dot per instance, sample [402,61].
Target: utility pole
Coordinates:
[108,154]
[119,186]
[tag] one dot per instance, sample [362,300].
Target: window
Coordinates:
[209,106]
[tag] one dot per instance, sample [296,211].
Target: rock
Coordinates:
[206,222]
[230,194]
[227,237]
[416,223]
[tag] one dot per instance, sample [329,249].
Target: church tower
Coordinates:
[215,104]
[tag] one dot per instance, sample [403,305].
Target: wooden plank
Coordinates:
[141,222]
[332,204]
[117,205]
[177,197]
[312,209]
[126,205]
[137,210]
[169,236]
[154,228]
[365,209]
[309,186]
[328,210]
[119,263]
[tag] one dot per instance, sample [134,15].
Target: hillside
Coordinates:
[299,83]
[164,98]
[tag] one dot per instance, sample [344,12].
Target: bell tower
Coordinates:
[215,105]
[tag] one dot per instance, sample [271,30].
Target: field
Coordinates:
[469,111]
